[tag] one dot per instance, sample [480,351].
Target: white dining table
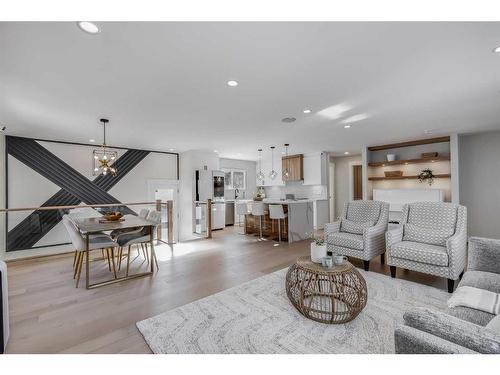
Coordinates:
[93,225]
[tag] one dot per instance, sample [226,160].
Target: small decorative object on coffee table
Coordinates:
[327,295]
[318,249]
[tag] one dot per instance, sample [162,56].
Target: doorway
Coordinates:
[166,190]
[331,190]
[357,182]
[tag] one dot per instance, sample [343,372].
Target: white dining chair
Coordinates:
[242,210]
[276,212]
[140,238]
[258,211]
[96,241]
[143,213]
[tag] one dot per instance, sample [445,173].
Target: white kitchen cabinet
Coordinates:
[315,165]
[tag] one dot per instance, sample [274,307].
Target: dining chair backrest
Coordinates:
[257,208]
[144,213]
[241,208]
[276,211]
[74,235]
[154,216]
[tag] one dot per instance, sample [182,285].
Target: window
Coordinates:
[235,179]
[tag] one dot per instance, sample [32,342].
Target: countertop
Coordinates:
[288,201]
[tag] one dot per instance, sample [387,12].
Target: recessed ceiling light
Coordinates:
[216,151]
[347,126]
[497,50]
[92,140]
[307,111]
[346,153]
[88,27]
[232,83]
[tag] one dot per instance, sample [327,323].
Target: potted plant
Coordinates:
[318,249]
[426,175]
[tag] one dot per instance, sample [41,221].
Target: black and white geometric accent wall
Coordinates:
[44,173]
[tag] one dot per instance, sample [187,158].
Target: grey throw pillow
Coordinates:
[437,237]
[355,227]
[494,325]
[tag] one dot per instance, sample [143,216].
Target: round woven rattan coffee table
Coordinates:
[328,295]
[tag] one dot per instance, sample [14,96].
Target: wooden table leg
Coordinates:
[87,263]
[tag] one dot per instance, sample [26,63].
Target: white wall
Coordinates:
[342,180]
[479,173]
[249,167]
[27,188]
[2,194]
[190,161]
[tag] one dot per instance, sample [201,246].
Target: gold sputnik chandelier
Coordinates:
[103,158]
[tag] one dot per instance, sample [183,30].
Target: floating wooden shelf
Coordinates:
[411,143]
[409,161]
[405,177]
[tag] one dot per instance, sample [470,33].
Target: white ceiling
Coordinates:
[163,85]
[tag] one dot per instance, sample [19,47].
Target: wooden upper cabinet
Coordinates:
[295,165]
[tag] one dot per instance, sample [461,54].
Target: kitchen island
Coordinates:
[297,226]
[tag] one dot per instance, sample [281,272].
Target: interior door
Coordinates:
[357,175]
[331,191]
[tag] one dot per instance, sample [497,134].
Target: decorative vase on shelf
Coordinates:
[391,157]
[260,194]
[318,252]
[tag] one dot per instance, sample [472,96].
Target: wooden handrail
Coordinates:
[46,208]
[209,218]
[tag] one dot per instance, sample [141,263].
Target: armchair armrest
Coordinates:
[452,329]
[374,240]
[409,340]
[456,247]
[394,236]
[332,228]
[484,255]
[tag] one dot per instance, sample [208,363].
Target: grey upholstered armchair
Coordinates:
[431,238]
[360,232]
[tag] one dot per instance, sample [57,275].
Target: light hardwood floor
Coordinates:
[48,315]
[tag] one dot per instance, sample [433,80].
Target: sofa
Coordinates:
[360,232]
[459,329]
[431,238]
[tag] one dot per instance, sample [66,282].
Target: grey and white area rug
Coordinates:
[257,317]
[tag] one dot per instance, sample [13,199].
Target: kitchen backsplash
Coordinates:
[299,190]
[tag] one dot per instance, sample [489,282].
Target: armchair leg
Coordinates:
[451,284]
[382,258]
[393,271]
[366,265]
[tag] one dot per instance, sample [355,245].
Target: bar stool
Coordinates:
[242,209]
[258,210]
[276,213]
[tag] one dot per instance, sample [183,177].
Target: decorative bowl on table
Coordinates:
[113,216]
